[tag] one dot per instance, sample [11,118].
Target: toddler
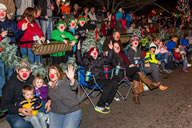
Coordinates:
[32,104]
[40,90]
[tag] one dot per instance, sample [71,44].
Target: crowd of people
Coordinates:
[31,102]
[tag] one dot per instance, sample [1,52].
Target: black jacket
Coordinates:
[133,56]
[117,60]
[96,67]
[12,91]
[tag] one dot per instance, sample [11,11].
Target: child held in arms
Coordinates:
[41,91]
[60,34]
[32,103]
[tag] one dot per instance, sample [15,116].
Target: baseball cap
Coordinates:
[3,7]
[24,64]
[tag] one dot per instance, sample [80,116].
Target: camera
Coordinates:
[10,33]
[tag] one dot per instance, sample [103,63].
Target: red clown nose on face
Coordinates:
[95,53]
[73,24]
[52,76]
[135,43]
[24,75]
[61,27]
[153,51]
[2,14]
[82,22]
[118,48]
[118,37]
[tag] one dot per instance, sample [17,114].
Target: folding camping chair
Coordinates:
[124,82]
[89,90]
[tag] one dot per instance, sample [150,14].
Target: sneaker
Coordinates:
[116,99]
[107,106]
[165,70]
[102,110]
[161,87]
[184,70]
[188,65]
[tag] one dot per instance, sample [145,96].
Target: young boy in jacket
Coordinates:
[61,35]
[33,103]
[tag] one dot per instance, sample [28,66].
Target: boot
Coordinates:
[147,81]
[136,91]
[136,99]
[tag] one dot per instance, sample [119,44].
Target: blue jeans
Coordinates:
[47,28]
[28,52]
[17,121]
[184,62]
[37,121]
[71,120]
[3,70]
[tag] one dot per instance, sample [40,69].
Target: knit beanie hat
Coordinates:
[81,18]
[61,22]
[92,49]
[24,64]
[134,38]
[72,19]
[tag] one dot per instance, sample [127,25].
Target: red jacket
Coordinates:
[28,35]
[176,56]
[104,29]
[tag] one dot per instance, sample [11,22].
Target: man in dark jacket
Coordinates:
[12,91]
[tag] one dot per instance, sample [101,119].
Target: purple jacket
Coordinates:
[43,92]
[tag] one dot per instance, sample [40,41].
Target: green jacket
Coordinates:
[55,35]
[152,60]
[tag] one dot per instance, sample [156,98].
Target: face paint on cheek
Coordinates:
[52,76]
[24,75]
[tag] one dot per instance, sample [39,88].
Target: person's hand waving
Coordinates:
[70,73]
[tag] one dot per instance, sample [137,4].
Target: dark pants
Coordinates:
[109,90]
[17,121]
[59,59]
[133,73]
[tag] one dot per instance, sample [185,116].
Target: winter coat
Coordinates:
[177,56]
[119,15]
[26,103]
[31,30]
[12,91]
[157,51]
[184,42]
[170,46]
[56,36]
[63,97]
[152,60]
[117,60]
[12,27]
[133,55]
[42,92]
[95,66]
